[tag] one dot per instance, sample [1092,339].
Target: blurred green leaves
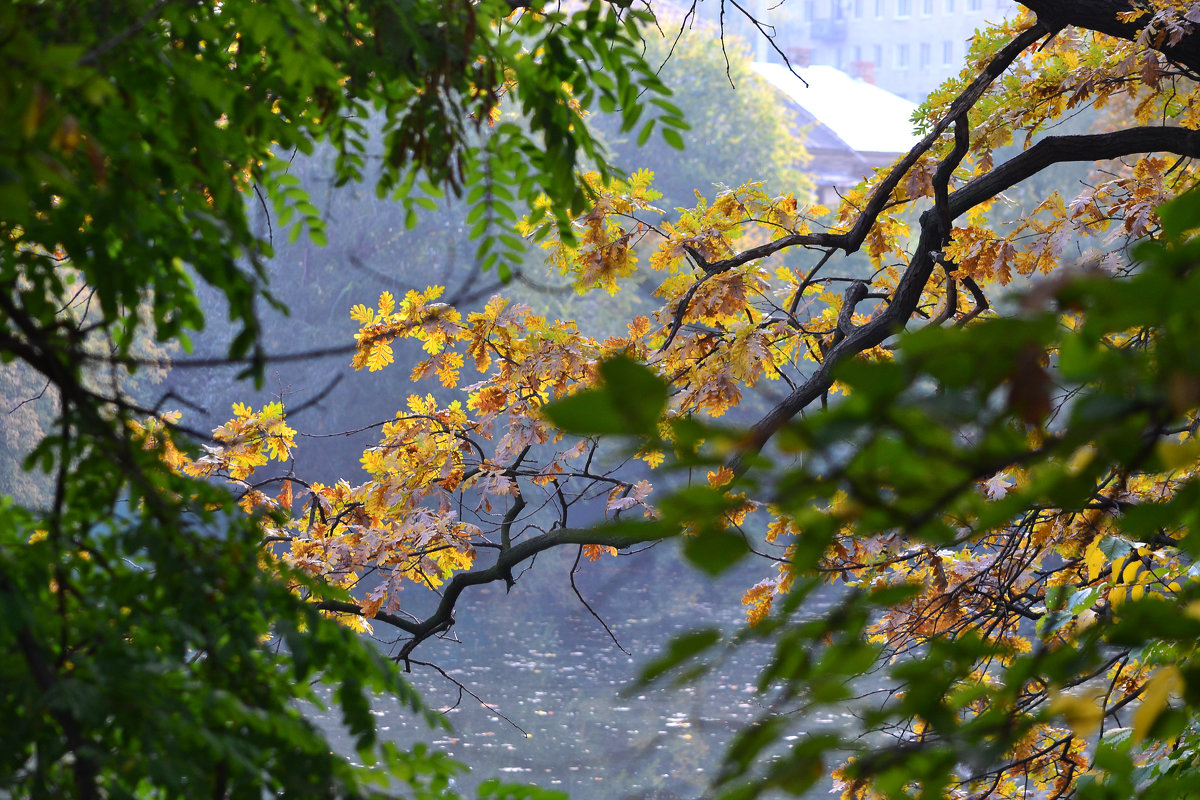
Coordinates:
[629,401]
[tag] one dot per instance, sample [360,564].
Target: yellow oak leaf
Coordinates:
[387,304]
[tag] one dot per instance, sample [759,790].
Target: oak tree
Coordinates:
[989,441]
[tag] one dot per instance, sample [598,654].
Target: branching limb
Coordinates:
[1052,150]
[462,688]
[443,617]
[951,304]
[981,303]
[506,533]
[1105,16]
[852,240]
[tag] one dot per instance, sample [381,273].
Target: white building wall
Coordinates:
[910,46]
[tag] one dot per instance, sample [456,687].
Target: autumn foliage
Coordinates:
[751,296]
[973,409]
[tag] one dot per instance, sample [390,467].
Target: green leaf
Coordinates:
[644,134]
[680,649]
[715,551]
[591,412]
[629,401]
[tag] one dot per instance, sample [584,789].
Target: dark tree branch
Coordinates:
[1052,150]
[340,607]
[92,58]
[981,302]
[951,304]
[1101,16]
[443,618]
[43,673]
[1059,149]
[588,606]
[462,688]
[853,295]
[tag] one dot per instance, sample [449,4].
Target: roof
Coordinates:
[865,117]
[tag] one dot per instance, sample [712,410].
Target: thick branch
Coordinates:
[1052,150]
[443,618]
[1058,149]
[1101,16]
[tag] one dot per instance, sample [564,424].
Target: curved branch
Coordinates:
[443,618]
[1051,150]
[354,608]
[1084,147]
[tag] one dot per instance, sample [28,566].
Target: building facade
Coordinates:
[850,127]
[908,47]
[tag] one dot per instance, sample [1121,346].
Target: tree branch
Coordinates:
[853,239]
[1101,16]
[1086,147]
[1052,150]
[443,618]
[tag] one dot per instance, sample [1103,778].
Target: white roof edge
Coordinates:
[869,119]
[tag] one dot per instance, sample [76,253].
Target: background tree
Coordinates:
[738,130]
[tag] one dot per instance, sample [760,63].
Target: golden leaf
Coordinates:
[1083,714]
[1163,683]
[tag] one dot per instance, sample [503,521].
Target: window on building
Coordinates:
[902,56]
[858,52]
[858,9]
[903,8]
[809,10]
[879,9]
[974,5]
[925,56]
[927,8]
[949,6]
[879,55]
[947,53]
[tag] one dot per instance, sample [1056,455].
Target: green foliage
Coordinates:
[136,140]
[148,646]
[629,401]
[508,791]
[147,651]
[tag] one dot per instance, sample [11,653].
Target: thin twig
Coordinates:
[463,688]
[592,611]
